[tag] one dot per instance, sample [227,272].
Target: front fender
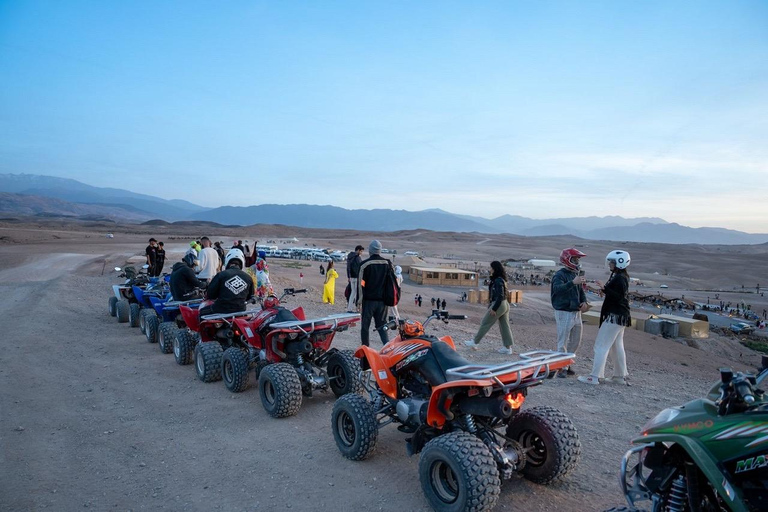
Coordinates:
[384,378]
[704,461]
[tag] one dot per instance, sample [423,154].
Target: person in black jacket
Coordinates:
[160,259]
[184,283]
[497,311]
[614,318]
[354,260]
[230,288]
[372,279]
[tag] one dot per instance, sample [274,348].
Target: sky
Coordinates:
[543,109]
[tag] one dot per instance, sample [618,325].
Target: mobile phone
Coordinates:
[581,272]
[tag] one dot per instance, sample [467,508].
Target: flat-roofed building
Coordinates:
[437,276]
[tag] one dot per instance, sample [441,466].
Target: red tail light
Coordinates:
[515,400]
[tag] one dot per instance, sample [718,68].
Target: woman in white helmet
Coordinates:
[614,318]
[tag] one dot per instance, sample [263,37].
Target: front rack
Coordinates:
[539,361]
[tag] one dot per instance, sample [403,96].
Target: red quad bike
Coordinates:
[463,417]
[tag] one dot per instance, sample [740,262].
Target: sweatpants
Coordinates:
[610,338]
[568,330]
[501,316]
[376,310]
[352,303]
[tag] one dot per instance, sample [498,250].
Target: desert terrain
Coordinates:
[94,417]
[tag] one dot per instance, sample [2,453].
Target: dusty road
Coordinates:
[93,416]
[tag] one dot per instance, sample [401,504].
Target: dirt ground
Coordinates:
[93,416]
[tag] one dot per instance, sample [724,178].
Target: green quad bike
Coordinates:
[707,455]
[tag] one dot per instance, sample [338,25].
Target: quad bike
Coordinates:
[124,305]
[292,355]
[164,321]
[464,418]
[705,455]
[139,311]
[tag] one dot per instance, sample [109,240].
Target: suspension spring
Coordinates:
[470,421]
[678,495]
[300,360]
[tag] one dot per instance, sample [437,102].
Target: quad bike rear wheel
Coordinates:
[122,308]
[551,442]
[113,306]
[280,390]
[165,336]
[151,323]
[234,370]
[133,314]
[354,426]
[184,346]
[208,361]
[458,473]
[143,320]
[343,370]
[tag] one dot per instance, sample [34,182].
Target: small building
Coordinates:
[542,263]
[436,276]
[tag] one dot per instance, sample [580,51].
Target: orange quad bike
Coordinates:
[464,418]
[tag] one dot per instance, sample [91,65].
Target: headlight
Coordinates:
[664,416]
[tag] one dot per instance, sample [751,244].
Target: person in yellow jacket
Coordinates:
[329,289]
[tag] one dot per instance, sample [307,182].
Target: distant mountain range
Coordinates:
[23,194]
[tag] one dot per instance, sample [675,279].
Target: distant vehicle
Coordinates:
[385,251]
[742,328]
[663,286]
[411,253]
[110,235]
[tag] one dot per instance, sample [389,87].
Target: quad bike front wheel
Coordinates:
[280,390]
[354,426]
[343,370]
[184,343]
[234,370]
[458,473]
[113,306]
[151,323]
[550,441]
[165,336]
[134,310]
[122,308]
[143,321]
[208,361]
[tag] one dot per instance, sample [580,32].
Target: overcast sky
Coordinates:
[542,109]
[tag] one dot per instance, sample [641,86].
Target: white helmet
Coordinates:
[234,254]
[620,258]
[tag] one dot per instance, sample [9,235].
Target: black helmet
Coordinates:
[189,259]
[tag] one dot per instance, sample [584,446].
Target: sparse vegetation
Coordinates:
[759,346]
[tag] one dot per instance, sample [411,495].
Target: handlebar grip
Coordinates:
[302,290]
[745,392]
[457,317]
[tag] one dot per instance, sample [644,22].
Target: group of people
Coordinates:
[155,254]
[437,303]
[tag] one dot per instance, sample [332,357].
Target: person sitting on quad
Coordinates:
[231,288]
[184,283]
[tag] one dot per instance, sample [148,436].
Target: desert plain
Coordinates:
[94,417]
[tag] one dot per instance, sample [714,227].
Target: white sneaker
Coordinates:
[471,343]
[505,350]
[618,380]
[589,379]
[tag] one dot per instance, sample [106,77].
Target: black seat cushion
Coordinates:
[447,357]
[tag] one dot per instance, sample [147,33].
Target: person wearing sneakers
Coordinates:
[372,277]
[568,299]
[614,318]
[497,311]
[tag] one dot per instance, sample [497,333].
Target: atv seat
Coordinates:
[434,368]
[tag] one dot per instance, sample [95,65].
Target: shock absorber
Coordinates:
[678,495]
[300,360]
[470,421]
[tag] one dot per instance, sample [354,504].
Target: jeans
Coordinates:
[376,310]
[352,303]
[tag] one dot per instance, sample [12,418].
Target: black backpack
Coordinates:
[391,288]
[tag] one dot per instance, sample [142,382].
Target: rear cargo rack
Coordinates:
[224,316]
[540,361]
[307,326]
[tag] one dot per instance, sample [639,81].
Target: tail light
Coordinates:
[515,400]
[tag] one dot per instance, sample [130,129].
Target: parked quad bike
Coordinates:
[164,322]
[291,355]
[705,455]
[140,310]
[124,304]
[464,418]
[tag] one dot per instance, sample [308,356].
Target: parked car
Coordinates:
[742,328]
[663,286]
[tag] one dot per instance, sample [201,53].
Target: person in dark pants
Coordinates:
[151,254]
[372,279]
[160,259]
[419,300]
[444,305]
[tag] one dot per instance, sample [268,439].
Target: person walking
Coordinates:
[614,318]
[151,253]
[329,288]
[498,311]
[569,301]
[160,258]
[208,263]
[370,288]
[354,260]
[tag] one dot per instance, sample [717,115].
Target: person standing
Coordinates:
[259,272]
[614,318]
[151,253]
[569,301]
[208,261]
[329,288]
[419,300]
[160,258]
[219,250]
[301,277]
[354,260]
[498,311]
[399,278]
[432,300]
[444,305]
[370,288]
